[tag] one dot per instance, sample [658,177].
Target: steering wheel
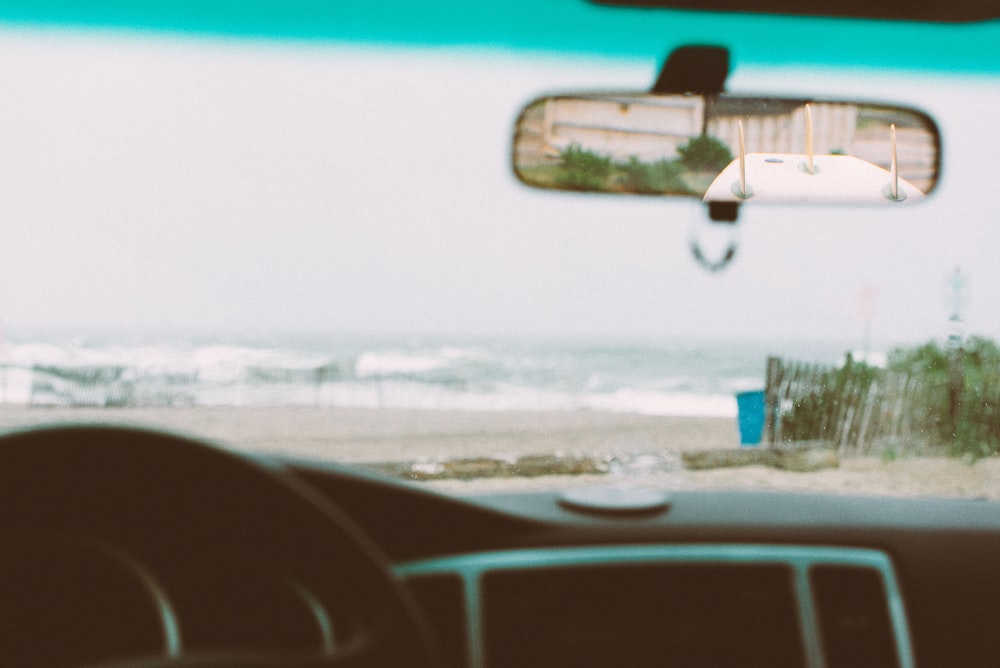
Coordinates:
[119,499]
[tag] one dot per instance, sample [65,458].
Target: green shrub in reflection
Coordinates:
[582,169]
[705,154]
[663,176]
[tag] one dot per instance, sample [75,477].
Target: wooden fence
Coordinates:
[862,410]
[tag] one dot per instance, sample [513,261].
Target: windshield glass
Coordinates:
[313,245]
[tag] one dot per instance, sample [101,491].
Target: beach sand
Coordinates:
[641,449]
[375,435]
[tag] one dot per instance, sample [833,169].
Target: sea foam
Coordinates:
[660,379]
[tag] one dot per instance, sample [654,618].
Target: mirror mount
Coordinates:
[694,68]
[701,69]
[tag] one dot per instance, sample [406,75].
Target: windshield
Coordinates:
[313,245]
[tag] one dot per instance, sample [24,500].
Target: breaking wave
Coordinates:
[485,376]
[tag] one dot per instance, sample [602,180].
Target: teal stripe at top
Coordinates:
[564,26]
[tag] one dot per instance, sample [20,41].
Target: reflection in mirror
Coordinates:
[728,148]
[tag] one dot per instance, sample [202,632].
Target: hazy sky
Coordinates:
[149,182]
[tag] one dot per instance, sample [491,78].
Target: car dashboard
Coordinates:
[176,553]
[715,578]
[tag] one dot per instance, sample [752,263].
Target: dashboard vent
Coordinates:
[854,623]
[648,615]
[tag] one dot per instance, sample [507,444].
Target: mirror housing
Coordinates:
[727,148]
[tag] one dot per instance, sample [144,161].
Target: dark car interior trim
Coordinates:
[959,11]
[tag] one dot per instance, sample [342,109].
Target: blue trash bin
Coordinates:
[751,416]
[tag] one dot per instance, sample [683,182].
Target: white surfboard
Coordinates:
[785,178]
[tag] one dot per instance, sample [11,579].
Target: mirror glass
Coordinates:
[728,148]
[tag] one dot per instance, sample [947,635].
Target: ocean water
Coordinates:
[650,377]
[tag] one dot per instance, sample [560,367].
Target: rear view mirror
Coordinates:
[728,148]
